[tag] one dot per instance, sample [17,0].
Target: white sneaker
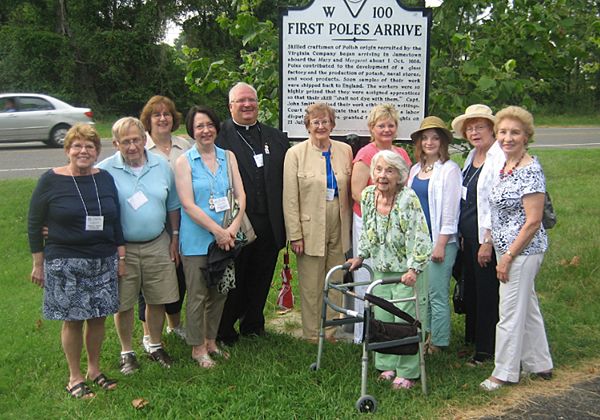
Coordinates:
[146,343]
[179,331]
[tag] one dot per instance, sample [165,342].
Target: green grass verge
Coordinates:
[543,120]
[270,377]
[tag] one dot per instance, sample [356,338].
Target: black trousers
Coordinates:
[481,300]
[254,269]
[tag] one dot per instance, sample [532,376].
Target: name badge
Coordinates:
[258,159]
[94,223]
[137,200]
[330,194]
[464,193]
[221,204]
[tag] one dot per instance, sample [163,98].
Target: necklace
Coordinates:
[427,168]
[504,173]
[386,229]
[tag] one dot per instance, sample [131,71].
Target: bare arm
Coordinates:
[360,179]
[183,175]
[174,219]
[37,273]
[533,205]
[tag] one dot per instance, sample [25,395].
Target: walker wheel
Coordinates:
[313,366]
[366,404]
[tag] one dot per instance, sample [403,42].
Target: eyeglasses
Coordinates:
[478,129]
[135,142]
[317,123]
[245,101]
[79,147]
[157,115]
[210,126]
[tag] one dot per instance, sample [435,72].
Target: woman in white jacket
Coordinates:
[437,182]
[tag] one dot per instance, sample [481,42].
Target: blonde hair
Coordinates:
[516,113]
[83,132]
[122,125]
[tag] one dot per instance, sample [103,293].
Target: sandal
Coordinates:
[205,361]
[219,353]
[80,390]
[387,375]
[103,382]
[402,383]
[490,385]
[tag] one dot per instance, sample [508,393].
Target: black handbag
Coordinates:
[549,216]
[380,332]
[458,295]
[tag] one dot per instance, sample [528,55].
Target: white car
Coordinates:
[34,117]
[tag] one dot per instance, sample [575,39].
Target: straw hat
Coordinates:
[432,122]
[473,111]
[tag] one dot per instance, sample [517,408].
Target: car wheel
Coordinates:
[57,135]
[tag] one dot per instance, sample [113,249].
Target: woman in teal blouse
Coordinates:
[396,238]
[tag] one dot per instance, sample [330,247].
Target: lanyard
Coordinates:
[472,176]
[81,197]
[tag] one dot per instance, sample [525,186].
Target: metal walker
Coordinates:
[366,403]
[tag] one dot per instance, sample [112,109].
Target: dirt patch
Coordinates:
[562,397]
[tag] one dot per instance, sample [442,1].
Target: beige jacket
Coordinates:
[305,192]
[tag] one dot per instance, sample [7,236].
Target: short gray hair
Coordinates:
[239,85]
[120,127]
[393,159]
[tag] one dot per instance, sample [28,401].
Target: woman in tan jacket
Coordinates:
[317,211]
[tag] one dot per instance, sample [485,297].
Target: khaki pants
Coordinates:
[311,275]
[204,305]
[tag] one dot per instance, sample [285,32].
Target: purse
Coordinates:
[380,331]
[246,235]
[458,295]
[549,216]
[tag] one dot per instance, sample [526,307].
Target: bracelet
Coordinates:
[487,241]
[175,232]
[510,254]
[122,257]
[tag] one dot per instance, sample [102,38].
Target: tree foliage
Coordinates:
[104,53]
[539,54]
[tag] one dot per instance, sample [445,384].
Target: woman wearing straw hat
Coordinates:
[437,182]
[478,260]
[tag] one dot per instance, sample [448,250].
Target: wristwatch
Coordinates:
[415,270]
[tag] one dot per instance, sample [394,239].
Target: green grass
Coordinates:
[270,378]
[567,120]
[543,120]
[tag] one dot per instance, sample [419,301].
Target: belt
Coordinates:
[146,242]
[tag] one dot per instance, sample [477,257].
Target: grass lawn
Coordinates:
[270,377]
[104,125]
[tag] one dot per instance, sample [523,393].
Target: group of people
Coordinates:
[138,227]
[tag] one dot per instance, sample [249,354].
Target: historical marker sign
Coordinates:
[354,54]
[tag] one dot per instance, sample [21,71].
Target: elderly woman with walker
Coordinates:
[396,238]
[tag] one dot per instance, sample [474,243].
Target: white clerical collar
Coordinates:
[247,127]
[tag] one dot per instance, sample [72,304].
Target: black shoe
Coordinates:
[128,364]
[546,376]
[162,357]
[229,340]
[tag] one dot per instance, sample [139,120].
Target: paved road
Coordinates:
[30,160]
